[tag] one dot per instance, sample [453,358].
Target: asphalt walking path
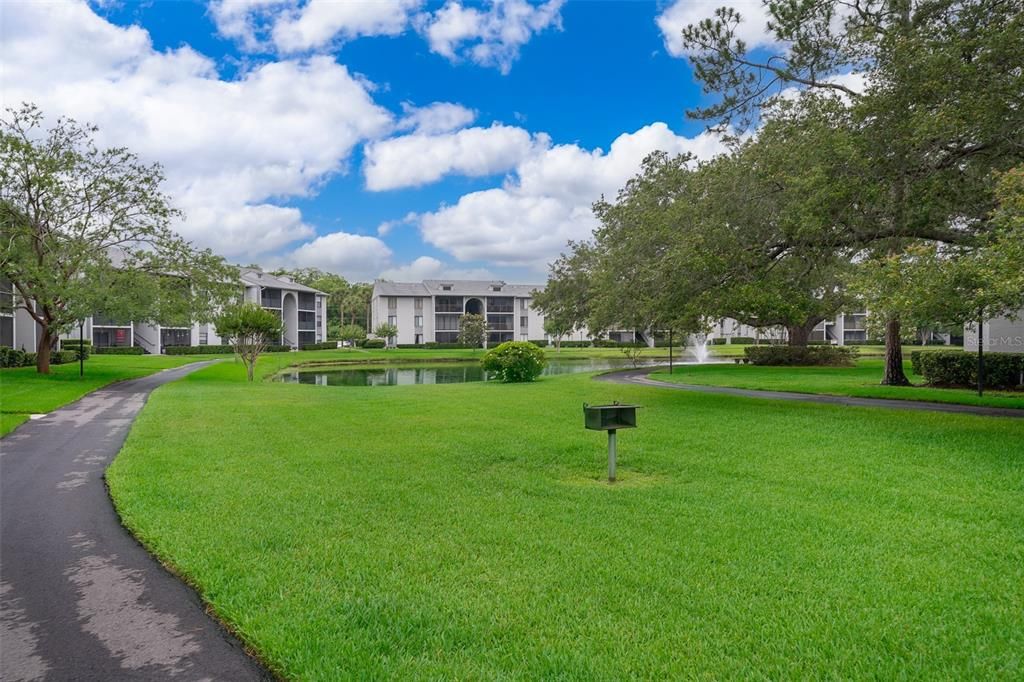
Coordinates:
[80,599]
[639,377]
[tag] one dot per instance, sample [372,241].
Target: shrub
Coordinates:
[515,361]
[217,350]
[373,343]
[445,346]
[324,345]
[84,347]
[63,357]
[540,343]
[118,350]
[12,357]
[831,356]
[960,368]
[197,350]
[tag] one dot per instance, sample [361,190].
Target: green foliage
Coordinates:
[958,368]
[351,333]
[373,343]
[119,350]
[831,356]
[79,347]
[249,328]
[515,361]
[385,331]
[325,345]
[472,330]
[12,357]
[86,229]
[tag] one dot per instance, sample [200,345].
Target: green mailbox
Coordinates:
[610,418]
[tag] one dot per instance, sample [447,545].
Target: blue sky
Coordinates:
[403,139]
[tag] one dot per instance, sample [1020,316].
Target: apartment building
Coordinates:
[302,309]
[429,311]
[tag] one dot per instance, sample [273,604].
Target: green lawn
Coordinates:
[24,392]
[860,381]
[463,531]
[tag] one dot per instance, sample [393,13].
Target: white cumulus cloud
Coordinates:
[357,257]
[231,149]
[680,14]
[439,117]
[428,267]
[528,221]
[418,159]
[490,37]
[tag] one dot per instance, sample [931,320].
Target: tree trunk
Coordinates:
[250,366]
[798,335]
[43,351]
[894,375]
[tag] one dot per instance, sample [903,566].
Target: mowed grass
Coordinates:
[24,392]
[465,531]
[861,381]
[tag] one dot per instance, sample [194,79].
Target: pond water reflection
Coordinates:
[438,373]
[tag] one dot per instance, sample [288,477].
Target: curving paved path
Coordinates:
[80,599]
[639,377]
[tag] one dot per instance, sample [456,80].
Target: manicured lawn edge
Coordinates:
[856,382]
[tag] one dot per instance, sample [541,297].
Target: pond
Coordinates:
[438,373]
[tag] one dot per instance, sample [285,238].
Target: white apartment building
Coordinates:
[302,309]
[429,311]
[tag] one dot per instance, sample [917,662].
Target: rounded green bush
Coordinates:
[515,361]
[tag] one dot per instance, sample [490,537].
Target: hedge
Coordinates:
[447,346]
[12,357]
[960,368]
[540,343]
[77,346]
[118,350]
[324,345]
[831,356]
[373,343]
[215,350]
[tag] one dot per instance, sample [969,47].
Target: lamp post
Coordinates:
[81,348]
[670,351]
[981,352]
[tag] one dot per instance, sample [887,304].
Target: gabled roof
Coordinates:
[258,278]
[456,287]
[383,287]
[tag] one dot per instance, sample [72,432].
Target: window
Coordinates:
[319,303]
[307,301]
[498,337]
[500,304]
[204,335]
[392,302]
[418,321]
[270,298]
[495,287]
[448,304]
[446,287]
[524,304]
[306,338]
[6,297]
[307,320]
[418,304]
[175,337]
[393,320]
[444,323]
[524,322]
[502,322]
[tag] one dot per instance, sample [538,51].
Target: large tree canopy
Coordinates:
[931,94]
[86,230]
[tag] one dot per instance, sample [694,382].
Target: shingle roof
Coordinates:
[265,279]
[459,287]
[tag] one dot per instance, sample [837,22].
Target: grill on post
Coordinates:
[610,418]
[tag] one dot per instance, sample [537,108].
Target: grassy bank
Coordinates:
[24,392]
[464,531]
[860,381]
